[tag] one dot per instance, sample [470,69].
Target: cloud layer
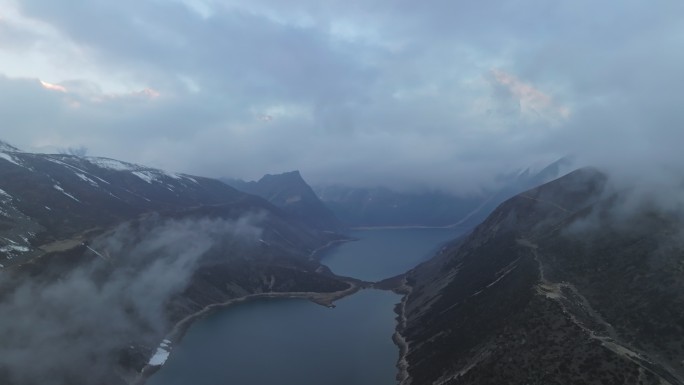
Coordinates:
[74,327]
[438,94]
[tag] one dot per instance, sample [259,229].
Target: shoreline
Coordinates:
[403,377]
[316,253]
[327,299]
[181,327]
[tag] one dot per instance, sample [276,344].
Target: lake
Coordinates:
[296,342]
[384,253]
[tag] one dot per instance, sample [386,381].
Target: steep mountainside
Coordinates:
[101,260]
[560,285]
[45,198]
[290,192]
[385,207]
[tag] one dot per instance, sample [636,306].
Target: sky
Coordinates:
[402,93]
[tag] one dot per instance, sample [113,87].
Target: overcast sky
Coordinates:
[438,93]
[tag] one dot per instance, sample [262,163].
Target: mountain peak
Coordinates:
[290,192]
[289,175]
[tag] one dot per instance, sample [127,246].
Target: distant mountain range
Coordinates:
[360,207]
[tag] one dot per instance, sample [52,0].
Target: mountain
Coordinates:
[384,207]
[569,282]
[6,147]
[290,192]
[104,263]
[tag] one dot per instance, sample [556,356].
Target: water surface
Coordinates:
[289,342]
[384,253]
[296,342]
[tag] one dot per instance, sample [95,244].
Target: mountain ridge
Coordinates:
[530,296]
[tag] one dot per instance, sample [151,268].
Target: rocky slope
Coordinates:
[561,284]
[101,258]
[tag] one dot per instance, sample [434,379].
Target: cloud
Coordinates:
[53,87]
[76,325]
[532,102]
[384,92]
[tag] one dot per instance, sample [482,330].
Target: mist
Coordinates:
[74,327]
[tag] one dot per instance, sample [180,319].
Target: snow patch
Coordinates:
[79,173]
[178,176]
[86,179]
[113,164]
[11,251]
[16,248]
[60,189]
[10,159]
[159,358]
[146,176]
[5,194]
[161,355]
[115,196]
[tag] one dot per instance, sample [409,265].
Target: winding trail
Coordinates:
[565,293]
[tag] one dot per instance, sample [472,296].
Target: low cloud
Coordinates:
[73,327]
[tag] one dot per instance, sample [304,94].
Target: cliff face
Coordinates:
[292,194]
[559,285]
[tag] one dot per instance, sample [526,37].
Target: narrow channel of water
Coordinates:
[296,342]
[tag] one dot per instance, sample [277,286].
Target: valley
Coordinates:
[127,267]
[386,192]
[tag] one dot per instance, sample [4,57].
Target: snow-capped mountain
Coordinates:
[47,197]
[145,246]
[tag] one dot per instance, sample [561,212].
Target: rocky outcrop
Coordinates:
[291,193]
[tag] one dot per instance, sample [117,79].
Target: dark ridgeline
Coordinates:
[559,285]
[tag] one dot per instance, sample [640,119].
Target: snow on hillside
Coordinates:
[4,147]
[113,164]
